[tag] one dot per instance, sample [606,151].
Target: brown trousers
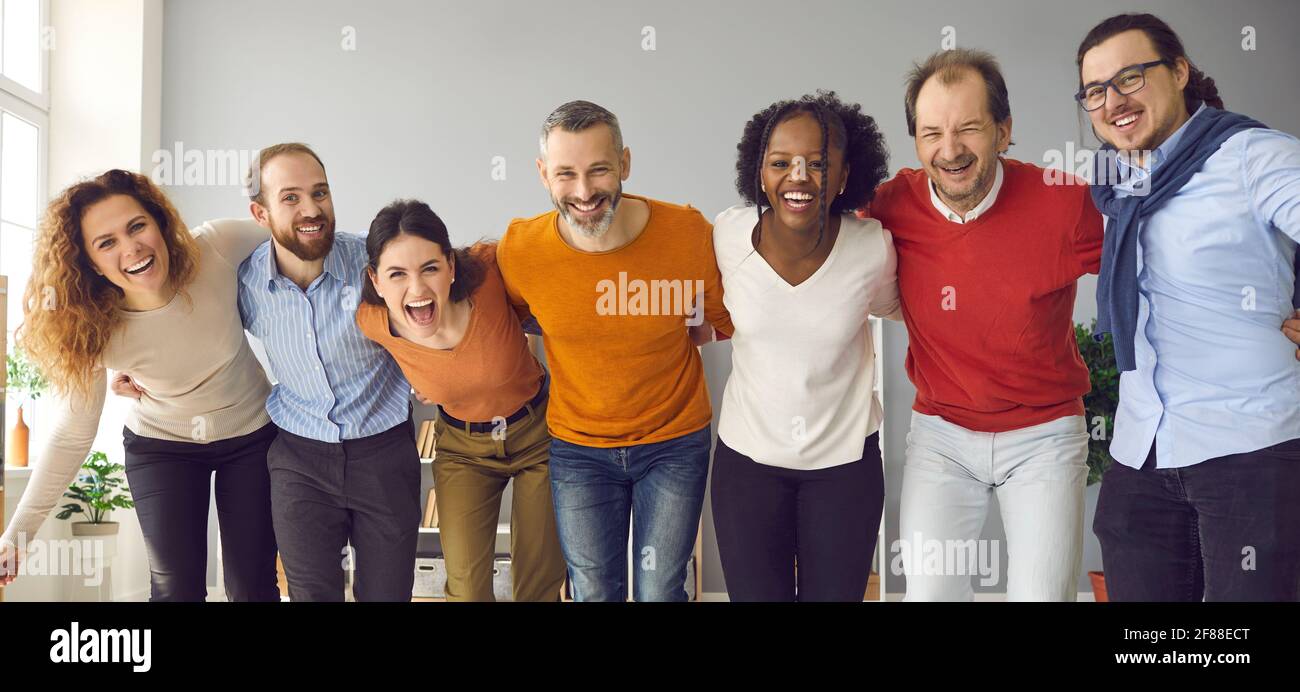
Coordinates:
[470,471]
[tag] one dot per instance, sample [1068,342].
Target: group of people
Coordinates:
[977,253]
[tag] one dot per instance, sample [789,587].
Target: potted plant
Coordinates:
[99,488]
[1099,410]
[26,381]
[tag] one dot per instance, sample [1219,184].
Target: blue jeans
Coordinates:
[661,484]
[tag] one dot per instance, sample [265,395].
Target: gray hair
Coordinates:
[576,116]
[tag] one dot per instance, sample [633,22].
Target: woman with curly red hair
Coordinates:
[120,283]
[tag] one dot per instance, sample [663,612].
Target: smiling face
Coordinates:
[126,246]
[957,140]
[414,279]
[1143,120]
[297,205]
[794,172]
[584,173]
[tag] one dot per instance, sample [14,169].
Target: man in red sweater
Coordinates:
[989,250]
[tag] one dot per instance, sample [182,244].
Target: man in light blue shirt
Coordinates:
[344,468]
[1212,257]
[1205,500]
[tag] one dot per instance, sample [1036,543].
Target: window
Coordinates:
[22,42]
[25,41]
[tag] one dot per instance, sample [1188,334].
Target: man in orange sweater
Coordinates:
[615,280]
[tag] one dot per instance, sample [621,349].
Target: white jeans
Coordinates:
[1039,474]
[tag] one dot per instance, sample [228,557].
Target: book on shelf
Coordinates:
[431,510]
[427,451]
[425,428]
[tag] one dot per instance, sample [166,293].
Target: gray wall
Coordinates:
[435,90]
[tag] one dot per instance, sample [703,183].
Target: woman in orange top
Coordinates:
[443,315]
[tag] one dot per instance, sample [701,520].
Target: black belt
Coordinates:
[476,427]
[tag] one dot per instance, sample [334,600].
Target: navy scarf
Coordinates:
[1117,293]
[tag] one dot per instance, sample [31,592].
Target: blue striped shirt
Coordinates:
[332,383]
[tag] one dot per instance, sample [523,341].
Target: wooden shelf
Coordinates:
[873,588]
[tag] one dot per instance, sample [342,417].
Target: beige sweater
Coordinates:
[191,358]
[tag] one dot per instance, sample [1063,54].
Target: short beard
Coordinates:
[307,252]
[983,183]
[602,224]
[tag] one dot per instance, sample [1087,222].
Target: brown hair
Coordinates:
[264,157]
[951,66]
[1168,46]
[65,337]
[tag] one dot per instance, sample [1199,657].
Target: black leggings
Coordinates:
[170,482]
[768,517]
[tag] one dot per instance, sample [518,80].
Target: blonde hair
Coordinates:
[69,311]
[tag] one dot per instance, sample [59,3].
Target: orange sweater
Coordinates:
[489,373]
[623,368]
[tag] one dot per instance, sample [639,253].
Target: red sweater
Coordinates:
[989,304]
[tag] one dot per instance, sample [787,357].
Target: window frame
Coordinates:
[34,108]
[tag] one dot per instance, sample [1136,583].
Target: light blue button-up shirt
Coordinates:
[1215,374]
[332,383]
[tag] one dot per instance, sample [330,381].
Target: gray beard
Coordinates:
[985,178]
[602,224]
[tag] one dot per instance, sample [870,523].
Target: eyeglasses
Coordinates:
[1129,80]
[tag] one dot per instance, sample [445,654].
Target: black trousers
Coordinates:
[768,518]
[1226,529]
[171,481]
[363,492]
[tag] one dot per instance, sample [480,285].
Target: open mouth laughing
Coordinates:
[421,312]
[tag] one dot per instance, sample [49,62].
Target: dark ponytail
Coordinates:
[469,275]
[1200,87]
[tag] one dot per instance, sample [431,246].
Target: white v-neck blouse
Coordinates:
[803,363]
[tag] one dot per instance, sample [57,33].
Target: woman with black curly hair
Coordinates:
[797,471]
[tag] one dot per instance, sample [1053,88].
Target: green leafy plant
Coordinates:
[99,488]
[1100,403]
[23,376]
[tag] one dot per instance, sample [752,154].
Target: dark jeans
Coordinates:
[768,517]
[171,481]
[1226,529]
[326,495]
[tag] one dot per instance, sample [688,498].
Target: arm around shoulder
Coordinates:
[234,239]
[885,301]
